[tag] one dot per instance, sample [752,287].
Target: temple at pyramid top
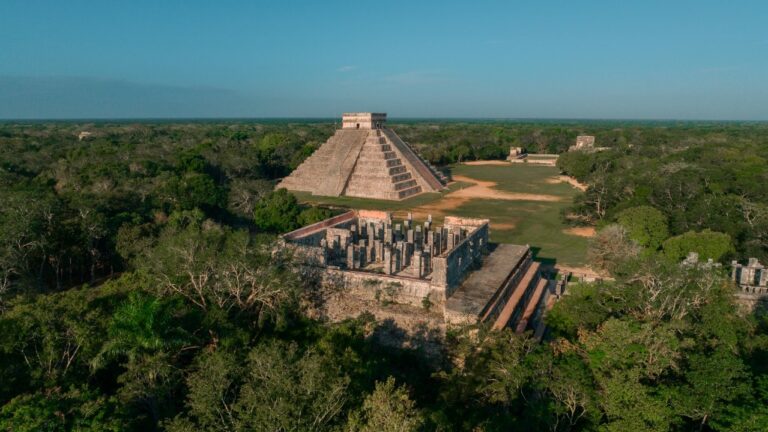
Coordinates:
[363,120]
[365,159]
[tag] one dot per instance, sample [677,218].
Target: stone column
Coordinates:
[361,262]
[324,247]
[350,256]
[387,260]
[418,263]
[417,237]
[408,253]
[450,241]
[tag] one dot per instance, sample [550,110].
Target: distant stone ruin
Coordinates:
[516,153]
[752,280]
[451,270]
[364,159]
[586,143]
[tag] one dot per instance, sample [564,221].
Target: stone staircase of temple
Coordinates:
[436,172]
[435,178]
[379,172]
[523,301]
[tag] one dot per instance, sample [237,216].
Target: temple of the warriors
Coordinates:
[365,159]
[452,268]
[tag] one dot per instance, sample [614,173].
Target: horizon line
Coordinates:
[338,119]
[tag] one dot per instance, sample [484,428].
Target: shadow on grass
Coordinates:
[546,261]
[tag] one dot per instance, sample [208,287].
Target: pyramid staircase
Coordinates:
[436,172]
[380,173]
[435,179]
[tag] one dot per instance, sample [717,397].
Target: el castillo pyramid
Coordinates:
[365,159]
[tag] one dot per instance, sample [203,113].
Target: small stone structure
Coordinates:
[451,268]
[752,279]
[363,120]
[516,153]
[692,261]
[365,159]
[586,143]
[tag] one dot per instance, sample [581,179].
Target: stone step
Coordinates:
[405,184]
[371,165]
[400,177]
[379,177]
[375,140]
[541,327]
[513,303]
[377,156]
[533,304]
[409,192]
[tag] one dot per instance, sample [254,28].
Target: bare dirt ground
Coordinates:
[479,190]
[484,189]
[581,231]
[568,179]
[487,162]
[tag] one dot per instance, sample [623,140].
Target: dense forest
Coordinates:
[139,289]
[701,180]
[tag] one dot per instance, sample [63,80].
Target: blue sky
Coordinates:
[502,59]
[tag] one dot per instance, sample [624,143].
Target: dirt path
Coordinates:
[487,162]
[581,231]
[567,179]
[478,190]
[485,189]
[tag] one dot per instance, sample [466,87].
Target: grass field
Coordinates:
[536,223]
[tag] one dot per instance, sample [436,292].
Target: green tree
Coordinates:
[708,244]
[387,409]
[279,387]
[54,410]
[312,215]
[645,225]
[142,325]
[278,212]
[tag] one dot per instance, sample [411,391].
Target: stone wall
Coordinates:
[449,269]
[385,288]
[363,120]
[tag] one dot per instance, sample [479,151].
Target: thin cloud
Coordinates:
[348,68]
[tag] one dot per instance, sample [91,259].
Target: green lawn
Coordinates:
[536,223]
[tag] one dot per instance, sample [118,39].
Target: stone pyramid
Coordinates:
[364,159]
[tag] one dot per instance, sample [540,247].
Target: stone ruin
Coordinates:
[365,159]
[751,277]
[451,267]
[516,153]
[586,143]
